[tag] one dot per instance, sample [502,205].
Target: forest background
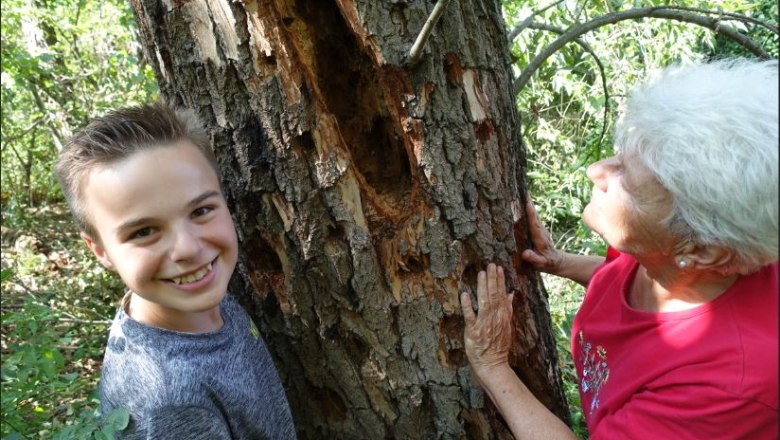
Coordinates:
[65,62]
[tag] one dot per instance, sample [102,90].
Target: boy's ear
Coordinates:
[98,250]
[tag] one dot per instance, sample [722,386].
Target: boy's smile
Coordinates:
[190,279]
[164,227]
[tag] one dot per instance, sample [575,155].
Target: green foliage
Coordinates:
[767,11]
[90,425]
[57,304]
[63,63]
[562,109]
[563,305]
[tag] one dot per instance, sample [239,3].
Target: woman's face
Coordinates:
[628,206]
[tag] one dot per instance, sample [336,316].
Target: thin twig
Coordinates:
[7,306]
[416,51]
[16,153]
[528,20]
[73,318]
[84,321]
[68,316]
[33,126]
[586,47]
[85,310]
[55,133]
[29,291]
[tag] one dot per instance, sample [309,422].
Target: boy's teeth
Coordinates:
[193,277]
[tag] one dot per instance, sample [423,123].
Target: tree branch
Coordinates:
[586,47]
[69,317]
[16,153]
[74,319]
[419,43]
[55,133]
[729,16]
[653,12]
[33,126]
[529,20]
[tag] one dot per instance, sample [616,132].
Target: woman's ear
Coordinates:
[709,257]
[98,250]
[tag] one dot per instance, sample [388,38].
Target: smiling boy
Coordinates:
[182,355]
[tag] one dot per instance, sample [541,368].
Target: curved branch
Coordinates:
[653,12]
[586,47]
[729,16]
[529,20]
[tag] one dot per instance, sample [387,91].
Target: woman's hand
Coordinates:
[543,257]
[488,335]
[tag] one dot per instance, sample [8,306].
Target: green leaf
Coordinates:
[104,435]
[5,274]
[118,419]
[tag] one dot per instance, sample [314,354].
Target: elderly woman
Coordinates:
[676,337]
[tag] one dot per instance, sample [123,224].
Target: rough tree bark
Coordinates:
[367,194]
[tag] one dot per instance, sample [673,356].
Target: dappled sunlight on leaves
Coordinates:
[56,306]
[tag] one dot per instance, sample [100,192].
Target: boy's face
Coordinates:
[164,227]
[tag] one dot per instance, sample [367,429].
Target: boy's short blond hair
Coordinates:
[118,135]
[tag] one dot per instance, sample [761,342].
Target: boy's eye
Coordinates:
[141,233]
[203,210]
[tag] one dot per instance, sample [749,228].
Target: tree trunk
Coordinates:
[367,193]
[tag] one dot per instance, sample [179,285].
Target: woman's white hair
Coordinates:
[709,132]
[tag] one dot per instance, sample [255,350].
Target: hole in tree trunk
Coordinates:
[350,84]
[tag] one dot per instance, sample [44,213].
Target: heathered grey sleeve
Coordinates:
[186,422]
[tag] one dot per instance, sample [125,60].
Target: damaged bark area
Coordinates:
[367,195]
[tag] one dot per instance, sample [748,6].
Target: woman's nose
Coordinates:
[597,171]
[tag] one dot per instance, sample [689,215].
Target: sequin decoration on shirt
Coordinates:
[595,371]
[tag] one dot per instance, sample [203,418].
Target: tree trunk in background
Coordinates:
[367,194]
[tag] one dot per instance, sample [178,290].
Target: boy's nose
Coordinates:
[186,246]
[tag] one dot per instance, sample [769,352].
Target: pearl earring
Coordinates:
[682,264]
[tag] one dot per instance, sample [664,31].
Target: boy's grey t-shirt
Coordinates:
[217,385]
